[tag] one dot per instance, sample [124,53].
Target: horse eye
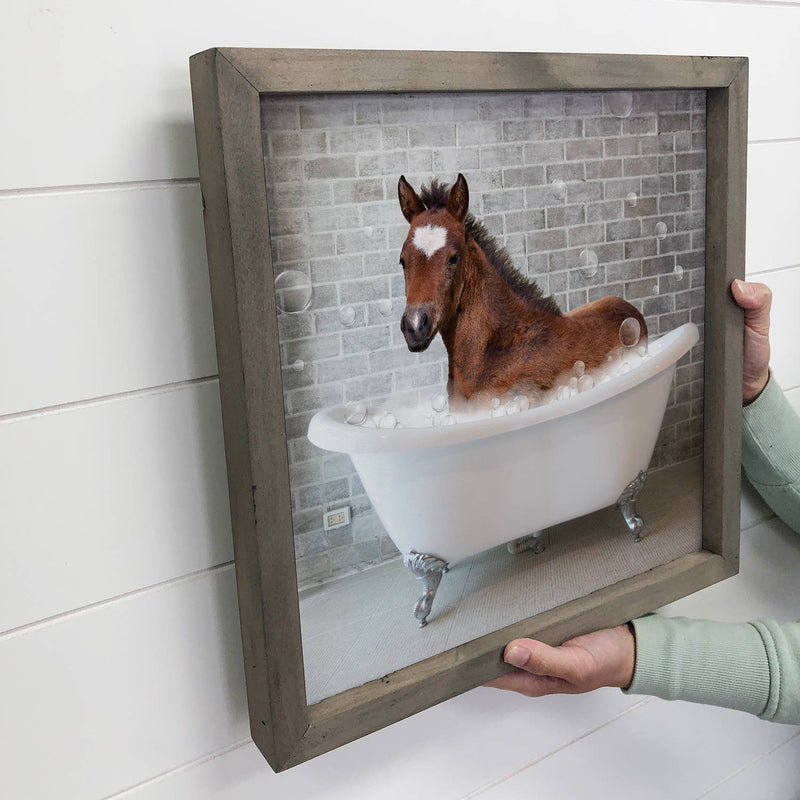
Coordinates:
[453,260]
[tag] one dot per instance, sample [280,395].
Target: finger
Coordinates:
[540,659]
[756,300]
[530,685]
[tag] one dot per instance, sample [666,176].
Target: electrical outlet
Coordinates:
[336,518]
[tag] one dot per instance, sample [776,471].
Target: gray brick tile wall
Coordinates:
[332,168]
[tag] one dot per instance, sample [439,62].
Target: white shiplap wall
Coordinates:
[120,664]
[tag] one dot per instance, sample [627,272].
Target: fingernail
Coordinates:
[746,288]
[517,656]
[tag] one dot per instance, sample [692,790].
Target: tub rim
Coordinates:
[329,430]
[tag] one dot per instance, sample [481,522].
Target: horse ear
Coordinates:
[458,201]
[410,204]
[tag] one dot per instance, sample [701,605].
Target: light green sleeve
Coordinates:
[749,666]
[771,452]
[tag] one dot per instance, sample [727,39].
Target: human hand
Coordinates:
[756,300]
[603,658]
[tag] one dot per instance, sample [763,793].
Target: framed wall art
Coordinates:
[479,362]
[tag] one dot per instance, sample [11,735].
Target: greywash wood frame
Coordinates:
[226,86]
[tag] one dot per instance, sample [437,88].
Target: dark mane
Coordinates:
[435,196]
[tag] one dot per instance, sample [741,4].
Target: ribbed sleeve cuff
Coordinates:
[700,661]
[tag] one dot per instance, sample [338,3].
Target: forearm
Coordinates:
[771,452]
[752,667]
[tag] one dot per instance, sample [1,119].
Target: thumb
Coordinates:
[756,300]
[540,659]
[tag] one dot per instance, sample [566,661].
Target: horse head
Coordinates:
[432,259]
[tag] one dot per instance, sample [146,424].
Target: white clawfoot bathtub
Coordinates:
[447,493]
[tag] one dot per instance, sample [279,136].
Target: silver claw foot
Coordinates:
[533,541]
[627,505]
[428,569]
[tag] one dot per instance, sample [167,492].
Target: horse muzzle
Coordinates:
[417,327]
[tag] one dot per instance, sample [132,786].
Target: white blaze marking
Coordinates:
[430,239]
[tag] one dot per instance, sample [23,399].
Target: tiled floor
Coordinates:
[361,627]
[501,746]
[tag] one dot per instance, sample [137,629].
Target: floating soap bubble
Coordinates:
[587,263]
[385,307]
[585,383]
[573,382]
[677,273]
[439,402]
[620,104]
[512,407]
[562,393]
[579,368]
[355,412]
[347,316]
[558,188]
[660,230]
[629,332]
[368,230]
[292,291]
[641,350]
[522,401]
[609,357]
[449,419]
[299,365]
[632,199]
[388,421]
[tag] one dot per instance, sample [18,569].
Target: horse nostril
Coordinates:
[424,323]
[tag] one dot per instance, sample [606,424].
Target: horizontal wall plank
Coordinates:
[628,754]
[773,206]
[107,97]
[102,292]
[104,699]
[784,324]
[104,499]
[388,764]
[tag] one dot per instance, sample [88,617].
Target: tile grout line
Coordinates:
[162,388]
[514,773]
[185,767]
[21,630]
[747,766]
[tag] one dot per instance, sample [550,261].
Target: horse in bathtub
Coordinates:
[500,331]
[448,492]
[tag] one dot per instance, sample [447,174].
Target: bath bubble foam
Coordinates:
[293,291]
[587,263]
[438,402]
[620,104]
[630,332]
[347,316]
[558,189]
[660,230]
[436,411]
[298,365]
[355,412]
[385,307]
[632,199]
